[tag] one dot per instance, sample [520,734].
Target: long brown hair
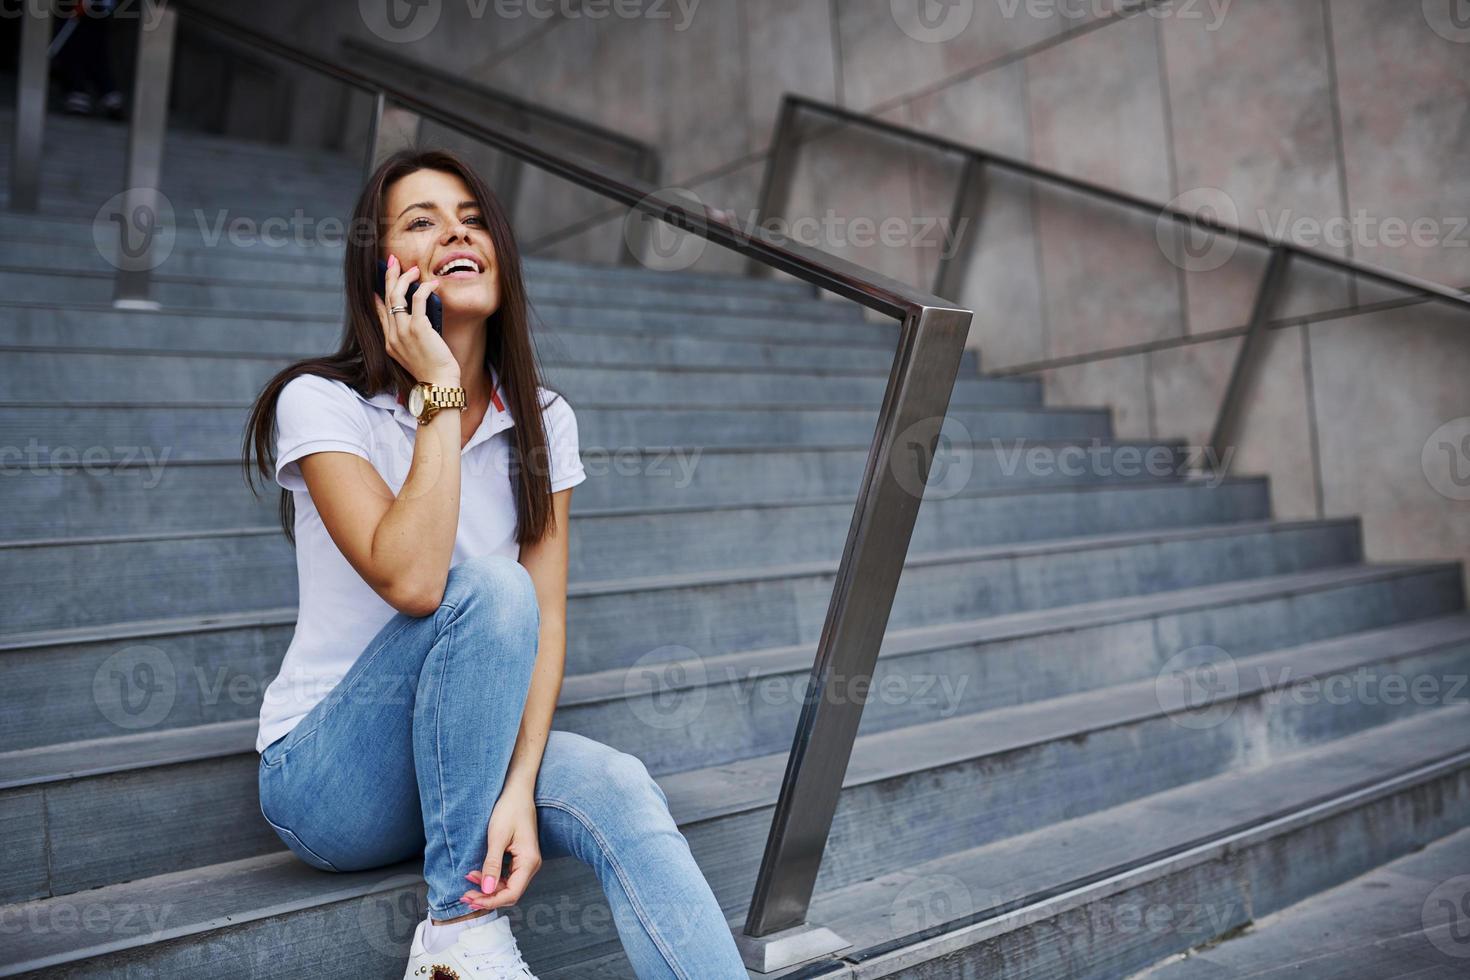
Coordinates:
[362,361]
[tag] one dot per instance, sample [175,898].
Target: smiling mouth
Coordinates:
[459,268]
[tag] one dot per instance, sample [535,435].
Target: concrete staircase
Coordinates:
[1026,764]
[1404,919]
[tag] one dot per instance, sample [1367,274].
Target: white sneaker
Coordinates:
[484,952]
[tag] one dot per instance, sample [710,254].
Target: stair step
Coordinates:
[79,175]
[116,493]
[202,189]
[260,330]
[988,778]
[315,220]
[673,539]
[710,612]
[617,340]
[1199,861]
[633,541]
[140,377]
[45,285]
[80,145]
[199,254]
[699,539]
[247,260]
[96,140]
[203,195]
[61,228]
[67,177]
[1400,920]
[300,208]
[62,432]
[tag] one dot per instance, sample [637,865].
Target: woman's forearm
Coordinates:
[414,542]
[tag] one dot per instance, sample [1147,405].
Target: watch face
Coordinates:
[416,402]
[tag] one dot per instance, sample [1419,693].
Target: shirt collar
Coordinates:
[497,417]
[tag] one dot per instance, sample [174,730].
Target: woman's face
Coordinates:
[434,222]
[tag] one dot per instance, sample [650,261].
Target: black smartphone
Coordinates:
[434,309]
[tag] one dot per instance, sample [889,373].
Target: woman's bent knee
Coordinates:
[493,585]
[593,777]
[489,573]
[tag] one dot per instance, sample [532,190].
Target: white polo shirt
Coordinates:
[339,612]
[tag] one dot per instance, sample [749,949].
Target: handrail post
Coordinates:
[375,123]
[1247,362]
[30,107]
[964,224]
[647,168]
[395,128]
[511,170]
[142,198]
[775,190]
[633,243]
[925,365]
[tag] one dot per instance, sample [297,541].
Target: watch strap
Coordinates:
[437,397]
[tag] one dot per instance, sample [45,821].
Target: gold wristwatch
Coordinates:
[425,400]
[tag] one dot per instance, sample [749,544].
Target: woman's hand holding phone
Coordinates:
[411,339]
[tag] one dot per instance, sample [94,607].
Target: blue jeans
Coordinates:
[409,751]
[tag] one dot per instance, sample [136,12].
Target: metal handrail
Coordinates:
[645,155]
[931,343]
[793,104]
[1282,254]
